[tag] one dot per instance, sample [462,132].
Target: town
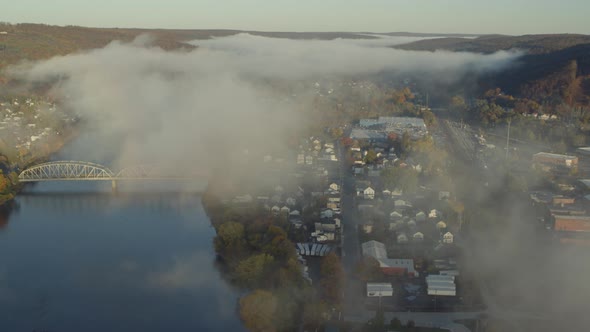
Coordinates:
[377,194]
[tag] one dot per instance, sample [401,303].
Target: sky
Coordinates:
[440,16]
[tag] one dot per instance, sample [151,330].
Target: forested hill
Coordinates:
[555,68]
[20,42]
[550,78]
[532,44]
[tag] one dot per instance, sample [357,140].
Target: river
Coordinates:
[76,257]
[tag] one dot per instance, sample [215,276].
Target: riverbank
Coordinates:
[9,184]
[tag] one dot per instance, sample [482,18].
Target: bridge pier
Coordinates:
[114,185]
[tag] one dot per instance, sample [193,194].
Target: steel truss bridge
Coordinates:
[85,171]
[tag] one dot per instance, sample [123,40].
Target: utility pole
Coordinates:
[508,139]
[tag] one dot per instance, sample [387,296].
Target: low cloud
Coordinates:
[143,104]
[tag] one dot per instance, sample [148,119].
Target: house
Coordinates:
[326,226]
[386,193]
[291,201]
[374,173]
[401,204]
[357,170]
[389,266]
[379,289]
[444,195]
[285,210]
[369,193]
[402,238]
[396,225]
[420,216]
[275,209]
[418,236]
[395,216]
[334,186]
[441,225]
[367,226]
[332,205]
[309,160]
[412,223]
[300,159]
[448,238]
[434,214]
[326,213]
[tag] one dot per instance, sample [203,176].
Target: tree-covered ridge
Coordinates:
[533,44]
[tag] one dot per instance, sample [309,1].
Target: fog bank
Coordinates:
[194,107]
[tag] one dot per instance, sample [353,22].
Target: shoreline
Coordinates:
[55,147]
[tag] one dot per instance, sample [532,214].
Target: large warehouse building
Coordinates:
[441,285]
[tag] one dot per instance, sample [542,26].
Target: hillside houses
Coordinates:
[28,124]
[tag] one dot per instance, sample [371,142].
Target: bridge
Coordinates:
[84,171]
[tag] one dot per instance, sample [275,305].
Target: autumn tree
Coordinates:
[332,279]
[230,240]
[257,311]
[370,157]
[250,272]
[368,269]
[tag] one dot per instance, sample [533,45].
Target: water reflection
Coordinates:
[80,261]
[5,211]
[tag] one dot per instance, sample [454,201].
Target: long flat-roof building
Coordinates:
[375,289]
[571,223]
[553,159]
[391,124]
[441,285]
[389,266]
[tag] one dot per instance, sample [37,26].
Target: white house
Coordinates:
[418,236]
[285,210]
[441,225]
[369,193]
[334,186]
[434,214]
[448,238]
[395,215]
[402,238]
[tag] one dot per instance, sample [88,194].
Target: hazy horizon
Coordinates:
[377,16]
